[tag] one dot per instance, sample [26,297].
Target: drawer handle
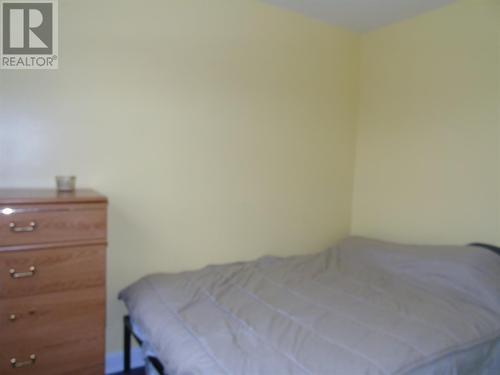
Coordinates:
[30,362]
[13,317]
[19,275]
[29,228]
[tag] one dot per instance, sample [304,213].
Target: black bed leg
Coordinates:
[127,334]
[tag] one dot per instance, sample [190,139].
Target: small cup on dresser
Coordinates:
[65,184]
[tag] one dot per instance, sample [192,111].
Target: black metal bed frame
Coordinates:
[128,331]
[493,248]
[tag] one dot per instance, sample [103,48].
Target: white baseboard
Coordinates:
[114,361]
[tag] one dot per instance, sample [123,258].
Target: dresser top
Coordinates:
[27,196]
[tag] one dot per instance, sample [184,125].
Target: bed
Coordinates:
[361,307]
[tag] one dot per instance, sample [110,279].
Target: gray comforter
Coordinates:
[361,307]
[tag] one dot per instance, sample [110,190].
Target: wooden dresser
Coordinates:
[52,282]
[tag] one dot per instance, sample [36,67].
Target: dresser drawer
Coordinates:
[53,315]
[34,224]
[74,356]
[28,273]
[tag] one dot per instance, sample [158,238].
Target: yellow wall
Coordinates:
[220,130]
[428,146]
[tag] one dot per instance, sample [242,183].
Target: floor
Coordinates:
[137,371]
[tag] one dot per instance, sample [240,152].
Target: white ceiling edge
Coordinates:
[360,15]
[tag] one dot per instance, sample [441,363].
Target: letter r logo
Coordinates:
[27,28]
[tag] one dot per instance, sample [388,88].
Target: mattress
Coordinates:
[361,307]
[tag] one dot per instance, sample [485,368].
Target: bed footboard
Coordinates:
[128,333]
